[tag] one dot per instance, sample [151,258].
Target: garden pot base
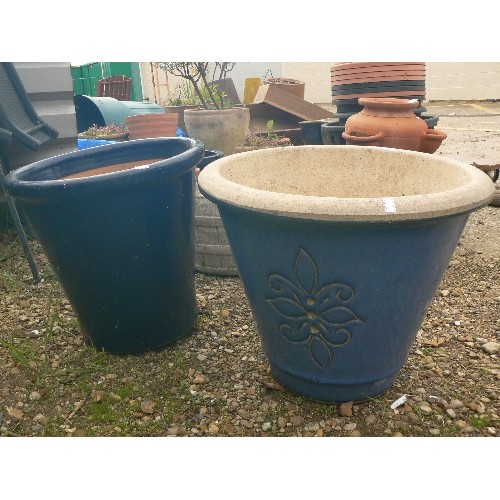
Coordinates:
[333,393]
[154,341]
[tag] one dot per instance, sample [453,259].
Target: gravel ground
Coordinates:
[217,382]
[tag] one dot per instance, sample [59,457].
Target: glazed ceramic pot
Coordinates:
[339,268]
[117,225]
[151,125]
[391,122]
[310,132]
[209,157]
[347,107]
[218,129]
[331,133]
[431,120]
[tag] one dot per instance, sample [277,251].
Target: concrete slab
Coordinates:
[473,130]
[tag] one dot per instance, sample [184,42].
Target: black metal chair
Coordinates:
[19,121]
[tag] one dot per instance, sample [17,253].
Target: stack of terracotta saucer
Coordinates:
[352,80]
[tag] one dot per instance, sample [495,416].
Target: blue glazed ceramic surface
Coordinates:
[120,243]
[340,250]
[338,306]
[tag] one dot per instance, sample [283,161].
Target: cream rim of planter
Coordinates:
[346,183]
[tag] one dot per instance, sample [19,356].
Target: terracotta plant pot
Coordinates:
[338,266]
[351,81]
[359,67]
[290,85]
[390,123]
[152,125]
[218,129]
[116,223]
[180,112]
[377,77]
[432,140]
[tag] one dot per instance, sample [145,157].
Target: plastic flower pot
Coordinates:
[310,132]
[116,223]
[208,157]
[340,251]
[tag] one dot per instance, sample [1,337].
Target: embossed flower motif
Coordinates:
[316,314]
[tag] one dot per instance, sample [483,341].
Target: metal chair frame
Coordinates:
[20,121]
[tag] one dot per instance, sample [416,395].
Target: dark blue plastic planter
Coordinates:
[331,133]
[310,132]
[209,156]
[121,244]
[341,251]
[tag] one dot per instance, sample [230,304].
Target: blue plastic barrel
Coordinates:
[104,111]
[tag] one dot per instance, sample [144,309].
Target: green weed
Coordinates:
[481,421]
[9,282]
[16,354]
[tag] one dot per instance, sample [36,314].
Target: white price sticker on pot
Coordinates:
[389,204]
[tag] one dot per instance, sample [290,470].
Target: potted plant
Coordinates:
[216,122]
[261,140]
[110,132]
[184,97]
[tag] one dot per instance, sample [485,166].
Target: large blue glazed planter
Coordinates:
[341,250]
[116,223]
